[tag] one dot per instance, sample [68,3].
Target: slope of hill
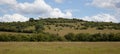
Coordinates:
[59,29]
[61,26]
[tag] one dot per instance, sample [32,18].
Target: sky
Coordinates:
[90,10]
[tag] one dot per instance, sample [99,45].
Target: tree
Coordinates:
[31,20]
[39,27]
[100,28]
[82,37]
[70,37]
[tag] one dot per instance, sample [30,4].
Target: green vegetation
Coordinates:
[39,27]
[78,26]
[74,24]
[16,27]
[93,37]
[31,38]
[46,37]
[59,36]
[59,29]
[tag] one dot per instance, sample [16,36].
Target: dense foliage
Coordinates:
[102,25]
[16,26]
[31,37]
[93,37]
[46,37]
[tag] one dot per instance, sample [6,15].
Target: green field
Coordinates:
[59,47]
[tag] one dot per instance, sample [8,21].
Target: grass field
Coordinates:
[59,47]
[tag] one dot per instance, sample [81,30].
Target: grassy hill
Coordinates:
[61,26]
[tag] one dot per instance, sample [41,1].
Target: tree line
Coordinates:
[93,37]
[46,37]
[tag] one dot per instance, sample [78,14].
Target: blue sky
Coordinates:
[90,10]
[79,7]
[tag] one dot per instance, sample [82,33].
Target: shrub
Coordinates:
[70,37]
[82,37]
[100,28]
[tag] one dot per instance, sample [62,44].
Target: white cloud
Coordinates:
[105,3]
[108,4]
[8,2]
[59,1]
[41,8]
[14,17]
[101,18]
[57,13]
[38,7]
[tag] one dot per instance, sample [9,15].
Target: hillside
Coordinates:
[61,26]
[59,29]
[65,26]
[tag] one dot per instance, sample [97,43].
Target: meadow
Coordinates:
[59,47]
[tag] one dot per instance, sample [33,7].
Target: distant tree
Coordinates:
[70,37]
[100,28]
[31,20]
[39,27]
[82,37]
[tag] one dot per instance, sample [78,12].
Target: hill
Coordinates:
[59,29]
[61,26]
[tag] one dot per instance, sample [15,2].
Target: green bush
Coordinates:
[70,37]
[93,37]
[46,37]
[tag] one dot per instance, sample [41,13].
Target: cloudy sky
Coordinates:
[90,10]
